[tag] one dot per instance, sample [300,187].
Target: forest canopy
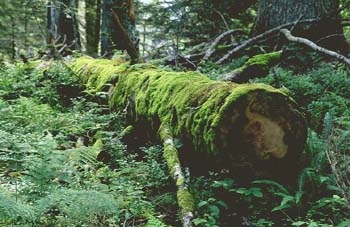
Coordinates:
[166,113]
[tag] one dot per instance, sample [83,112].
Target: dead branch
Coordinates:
[187,60]
[184,197]
[233,40]
[211,49]
[315,47]
[129,45]
[260,37]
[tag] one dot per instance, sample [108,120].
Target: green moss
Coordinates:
[185,200]
[264,59]
[98,144]
[196,108]
[259,65]
[127,131]
[95,76]
[172,158]
[180,182]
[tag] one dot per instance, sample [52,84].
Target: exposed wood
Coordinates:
[129,45]
[315,47]
[260,37]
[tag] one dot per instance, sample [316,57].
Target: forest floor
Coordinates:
[65,160]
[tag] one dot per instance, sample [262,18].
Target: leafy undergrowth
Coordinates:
[64,164]
[63,161]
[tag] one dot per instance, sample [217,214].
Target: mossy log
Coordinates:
[255,67]
[225,125]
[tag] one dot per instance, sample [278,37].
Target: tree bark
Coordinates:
[125,39]
[82,24]
[272,13]
[93,21]
[63,24]
[250,129]
[111,37]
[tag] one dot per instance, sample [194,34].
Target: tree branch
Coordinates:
[315,47]
[260,37]
[211,49]
[129,46]
[184,197]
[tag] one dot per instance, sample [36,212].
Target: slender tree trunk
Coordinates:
[93,17]
[82,24]
[272,13]
[107,27]
[13,41]
[98,23]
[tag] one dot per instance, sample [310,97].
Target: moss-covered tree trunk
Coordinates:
[224,125]
[272,13]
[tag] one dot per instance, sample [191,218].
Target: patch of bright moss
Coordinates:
[259,65]
[96,76]
[185,200]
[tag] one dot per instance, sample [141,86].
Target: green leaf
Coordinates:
[202,203]
[273,183]
[215,211]
[257,192]
[299,223]
[199,221]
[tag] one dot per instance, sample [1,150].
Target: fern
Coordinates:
[68,207]
[12,211]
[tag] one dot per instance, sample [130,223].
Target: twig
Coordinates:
[193,65]
[233,40]
[329,36]
[315,47]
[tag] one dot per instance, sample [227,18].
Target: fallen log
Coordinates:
[226,125]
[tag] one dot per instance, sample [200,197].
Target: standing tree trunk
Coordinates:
[93,25]
[272,13]
[111,37]
[62,24]
[82,24]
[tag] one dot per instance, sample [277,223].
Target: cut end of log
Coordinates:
[266,136]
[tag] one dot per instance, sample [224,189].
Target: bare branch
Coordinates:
[211,49]
[260,37]
[233,40]
[315,47]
